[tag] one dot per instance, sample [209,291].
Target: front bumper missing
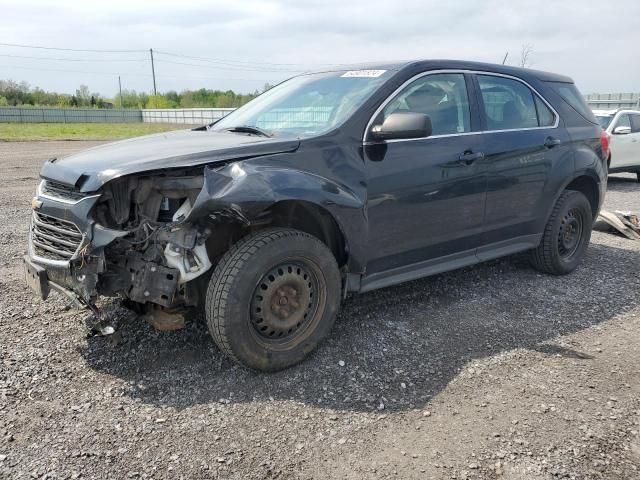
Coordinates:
[38,280]
[102,263]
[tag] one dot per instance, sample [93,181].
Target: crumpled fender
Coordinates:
[245,190]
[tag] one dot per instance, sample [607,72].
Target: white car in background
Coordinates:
[623,128]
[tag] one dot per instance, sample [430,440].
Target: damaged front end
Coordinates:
[159,252]
[151,238]
[133,239]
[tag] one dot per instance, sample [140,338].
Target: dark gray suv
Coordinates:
[331,182]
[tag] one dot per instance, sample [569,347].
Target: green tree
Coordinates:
[159,101]
[22,93]
[3,101]
[83,96]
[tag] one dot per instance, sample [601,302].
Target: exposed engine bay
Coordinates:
[134,239]
[159,252]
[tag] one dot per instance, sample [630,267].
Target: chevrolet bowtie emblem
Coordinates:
[35,203]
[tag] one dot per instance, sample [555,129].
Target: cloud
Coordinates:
[593,44]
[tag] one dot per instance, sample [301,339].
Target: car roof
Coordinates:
[451,64]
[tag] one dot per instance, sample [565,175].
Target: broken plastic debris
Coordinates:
[626,223]
[107,330]
[100,328]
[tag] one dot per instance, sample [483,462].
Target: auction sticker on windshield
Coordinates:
[363,73]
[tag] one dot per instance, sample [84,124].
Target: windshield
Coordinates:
[307,105]
[604,120]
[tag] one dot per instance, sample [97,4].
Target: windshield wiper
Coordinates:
[250,129]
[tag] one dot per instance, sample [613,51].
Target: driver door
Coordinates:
[426,196]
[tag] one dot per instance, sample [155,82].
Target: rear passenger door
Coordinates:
[523,144]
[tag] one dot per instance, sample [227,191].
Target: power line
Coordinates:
[75,59]
[234,67]
[69,49]
[238,62]
[214,63]
[146,75]
[75,71]
[143,60]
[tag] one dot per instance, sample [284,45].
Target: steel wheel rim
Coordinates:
[285,303]
[570,233]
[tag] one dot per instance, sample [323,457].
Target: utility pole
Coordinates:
[120,85]
[505,57]
[153,72]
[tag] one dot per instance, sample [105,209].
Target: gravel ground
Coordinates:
[490,372]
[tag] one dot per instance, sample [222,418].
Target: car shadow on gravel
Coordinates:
[622,183]
[400,345]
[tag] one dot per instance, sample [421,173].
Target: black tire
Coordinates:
[272,298]
[566,235]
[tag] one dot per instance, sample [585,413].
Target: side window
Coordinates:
[623,121]
[635,123]
[508,104]
[546,117]
[442,96]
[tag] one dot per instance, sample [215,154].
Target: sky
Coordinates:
[241,45]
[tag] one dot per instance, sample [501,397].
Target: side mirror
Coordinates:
[403,126]
[622,130]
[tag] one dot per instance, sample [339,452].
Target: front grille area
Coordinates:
[62,191]
[54,239]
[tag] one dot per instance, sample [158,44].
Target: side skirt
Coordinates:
[445,264]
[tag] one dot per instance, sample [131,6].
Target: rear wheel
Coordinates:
[272,298]
[566,235]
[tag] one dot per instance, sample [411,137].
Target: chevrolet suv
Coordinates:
[332,182]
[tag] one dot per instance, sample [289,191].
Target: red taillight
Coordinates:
[604,141]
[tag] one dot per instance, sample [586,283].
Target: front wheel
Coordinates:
[566,235]
[272,298]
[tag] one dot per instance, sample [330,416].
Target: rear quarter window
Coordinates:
[573,97]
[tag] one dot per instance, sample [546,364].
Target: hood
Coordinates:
[92,168]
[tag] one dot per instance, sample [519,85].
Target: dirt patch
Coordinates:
[489,372]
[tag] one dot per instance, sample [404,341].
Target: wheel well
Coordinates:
[312,219]
[589,188]
[300,215]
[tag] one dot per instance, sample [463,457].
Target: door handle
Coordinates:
[551,142]
[469,157]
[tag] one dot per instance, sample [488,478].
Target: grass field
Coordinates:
[80,131]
